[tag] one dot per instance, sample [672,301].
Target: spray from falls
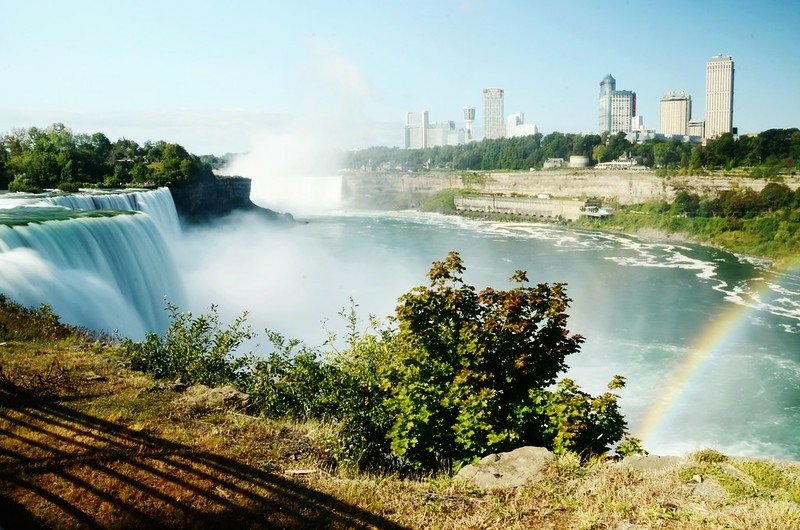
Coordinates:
[291,171]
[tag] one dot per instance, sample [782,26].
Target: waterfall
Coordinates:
[156,203]
[108,273]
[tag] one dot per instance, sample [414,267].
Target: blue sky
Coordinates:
[213,75]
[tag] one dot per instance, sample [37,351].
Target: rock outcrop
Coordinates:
[624,187]
[209,199]
[507,470]
[221,398]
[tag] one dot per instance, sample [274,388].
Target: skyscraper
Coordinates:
[493,113]
[421,133]
[469,118]
[516,126]
[675,113]
[616,107]
[719,96]
[416,130]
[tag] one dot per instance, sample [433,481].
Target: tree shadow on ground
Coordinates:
[74,470]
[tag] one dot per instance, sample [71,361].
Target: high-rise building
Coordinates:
[469,119]
[719,96]
[697,128]
[513,120]
[493,112]
[445,133]
[616,107]
[416,130]
[516,126]
[420,133]
[675,111]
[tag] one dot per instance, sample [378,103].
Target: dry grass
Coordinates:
[85,444]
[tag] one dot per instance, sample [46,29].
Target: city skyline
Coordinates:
[213,76]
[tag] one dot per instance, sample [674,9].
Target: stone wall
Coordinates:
[569,209]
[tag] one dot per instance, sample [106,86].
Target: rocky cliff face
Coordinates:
[624,187]
[208,199]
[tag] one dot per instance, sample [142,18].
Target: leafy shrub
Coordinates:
[472,372]
[442,201]
[709,456]
[69,187]
[577,421]
[198,350]
[40,324]
[461,375]
[342,388]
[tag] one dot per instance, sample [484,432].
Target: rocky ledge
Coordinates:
[210,199]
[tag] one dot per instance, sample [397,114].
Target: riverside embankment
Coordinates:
[622,187]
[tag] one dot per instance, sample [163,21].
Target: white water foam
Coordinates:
[106,273]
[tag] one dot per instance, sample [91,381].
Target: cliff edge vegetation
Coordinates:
[765,223]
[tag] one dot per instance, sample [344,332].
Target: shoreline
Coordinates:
[652,234]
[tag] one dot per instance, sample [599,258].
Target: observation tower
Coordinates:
[469,118]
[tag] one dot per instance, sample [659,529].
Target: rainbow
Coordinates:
[725,329]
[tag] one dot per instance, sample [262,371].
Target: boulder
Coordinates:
[507,470]
[224,398]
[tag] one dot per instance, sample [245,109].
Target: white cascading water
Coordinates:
[109,273]
[156,203]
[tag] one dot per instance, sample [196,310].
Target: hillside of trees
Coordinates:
[767,154]
[54,157]
[34,159]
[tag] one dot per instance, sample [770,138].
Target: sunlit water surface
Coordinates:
[642,306]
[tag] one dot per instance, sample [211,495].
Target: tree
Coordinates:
[668,154]
[617,146]
[5,173]
[721,152]
[599,153]
[775,196]
[472,373]
[686,203]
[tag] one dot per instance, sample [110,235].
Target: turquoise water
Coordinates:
[641,306]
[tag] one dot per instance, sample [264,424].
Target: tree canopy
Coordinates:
[34,159]
[770,152]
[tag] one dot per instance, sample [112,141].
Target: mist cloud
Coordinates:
[336,93]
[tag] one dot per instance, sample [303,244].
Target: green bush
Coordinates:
[472,374]
[33,325]
[442,201]
[342,388]
[69,187]
[708,456]
[461,374]
[197,350]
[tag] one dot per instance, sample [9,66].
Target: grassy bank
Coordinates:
[89,443]
[775,235]
[772,233]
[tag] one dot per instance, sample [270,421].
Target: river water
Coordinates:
[709,342]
